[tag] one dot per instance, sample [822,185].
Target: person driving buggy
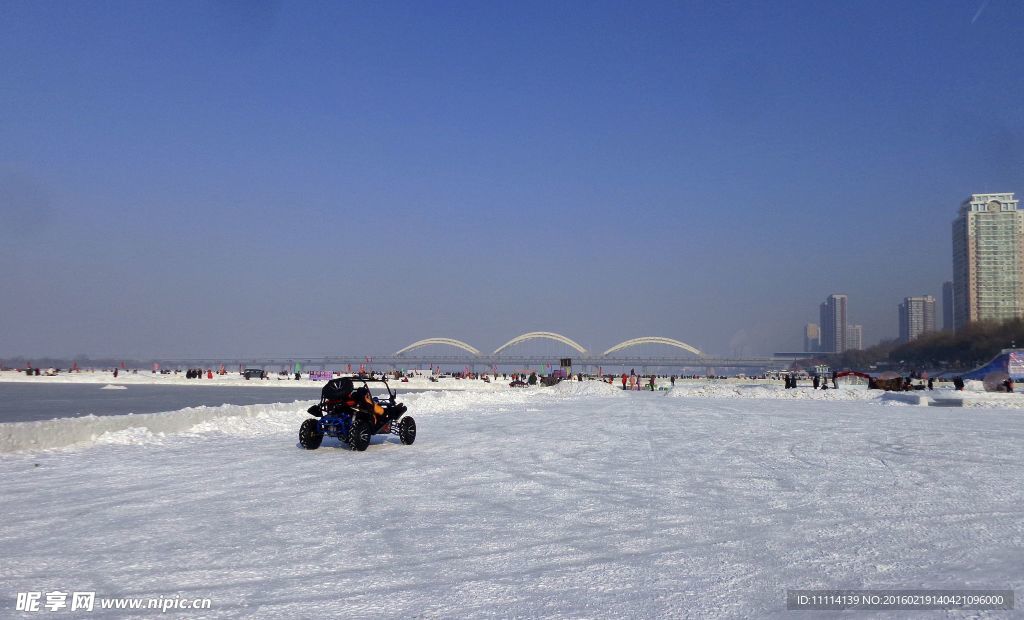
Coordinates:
[360,399]
[342,394]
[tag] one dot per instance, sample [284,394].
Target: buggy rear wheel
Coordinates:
[359,435]
[407,430]
[310,435]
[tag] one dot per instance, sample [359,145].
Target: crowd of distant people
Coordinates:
[631,381]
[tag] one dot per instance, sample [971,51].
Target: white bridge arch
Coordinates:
[654,340]
[544,335]
[451,342]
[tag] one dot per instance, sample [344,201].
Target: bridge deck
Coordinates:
[487,361]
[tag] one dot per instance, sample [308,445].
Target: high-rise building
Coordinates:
[854,337]
[917,316]
[812,338]
[947,306]
[988,260]
[833,324]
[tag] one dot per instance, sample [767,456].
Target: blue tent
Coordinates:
[1009,361]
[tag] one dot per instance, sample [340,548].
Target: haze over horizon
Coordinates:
[265,178]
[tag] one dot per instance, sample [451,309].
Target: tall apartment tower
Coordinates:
[988,260]
[854,337]
[917,316]
[947,306]
[812,338]
[833,324]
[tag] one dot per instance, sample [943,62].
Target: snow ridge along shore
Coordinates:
[258,420]
[247,420]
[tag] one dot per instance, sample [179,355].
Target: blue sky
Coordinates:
[245,178]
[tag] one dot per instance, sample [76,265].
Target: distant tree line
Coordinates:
[84,361]
[968,348]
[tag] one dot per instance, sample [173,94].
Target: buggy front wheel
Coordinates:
[407,430]
[310,435]
[359,435]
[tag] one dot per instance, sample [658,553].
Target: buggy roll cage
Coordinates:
[332,392]
[390,400]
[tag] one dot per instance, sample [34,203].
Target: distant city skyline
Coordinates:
[259,178]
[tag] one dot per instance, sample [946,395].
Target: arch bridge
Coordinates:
[459,344]
[451,342]
[468,355]
[545,336]
[654,340]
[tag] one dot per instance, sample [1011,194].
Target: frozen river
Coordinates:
[565,502]
[26,402]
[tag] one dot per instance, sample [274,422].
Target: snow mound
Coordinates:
[981,399]
[235,420]
[249,420]
[440,402]
[114,387]
[773,392]
[905,398]
[584,389]
[128,437]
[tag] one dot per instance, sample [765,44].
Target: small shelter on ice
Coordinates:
[1009,364]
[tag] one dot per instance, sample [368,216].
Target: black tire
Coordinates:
[310,436]
[359,435]
[407,430]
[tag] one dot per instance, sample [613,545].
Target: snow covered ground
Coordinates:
[574,501]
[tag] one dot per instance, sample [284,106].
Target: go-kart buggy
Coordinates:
[353,415]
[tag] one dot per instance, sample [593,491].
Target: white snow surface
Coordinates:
[571,501]
[732,389]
